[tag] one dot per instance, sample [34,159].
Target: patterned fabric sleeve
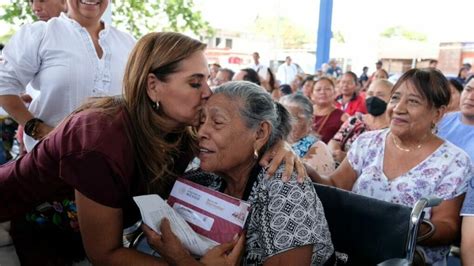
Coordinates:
[468,206]
[456,177]
[287,215]
[343,130]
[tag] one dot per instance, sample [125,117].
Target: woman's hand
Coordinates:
[338,155]
[228,254]
[282,152]
[168,245]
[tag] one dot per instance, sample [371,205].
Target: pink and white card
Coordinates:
[210,213]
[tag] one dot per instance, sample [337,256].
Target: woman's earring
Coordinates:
[255,154]
[434,128]
[155,105]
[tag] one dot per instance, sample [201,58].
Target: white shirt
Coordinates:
[58,58]
[260,69]
[286,73]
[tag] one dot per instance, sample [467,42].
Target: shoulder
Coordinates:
[30,32]
[374,136]
[450,151]
[123,36]
[276,187]
[337,113]
[450,118]
[94,130]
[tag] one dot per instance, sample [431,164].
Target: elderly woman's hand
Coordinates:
[226,254]
[282,152]
[168,245]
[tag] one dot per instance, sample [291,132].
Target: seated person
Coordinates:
[306,145]
[378,96]
[407,161]
[467,234]
[286,225]
[458,127]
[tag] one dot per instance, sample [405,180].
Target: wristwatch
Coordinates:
[31,127]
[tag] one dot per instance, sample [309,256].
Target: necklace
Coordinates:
[405,149]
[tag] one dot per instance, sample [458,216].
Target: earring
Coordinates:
[155,105]
[434,128]
[255,154]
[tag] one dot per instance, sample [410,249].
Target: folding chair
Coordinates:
[372,231]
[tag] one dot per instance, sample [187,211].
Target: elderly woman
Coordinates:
[111,150]
[286,225]
[407,161]
[378,96]
[313,151]
[327,119]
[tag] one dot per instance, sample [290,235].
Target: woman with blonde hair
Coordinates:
[113,149]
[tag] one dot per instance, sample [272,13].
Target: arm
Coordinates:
[296,256]
[101,231]
[15,107]
[279,153]
[447,221]
[467,241]
[337,152]
[344,177]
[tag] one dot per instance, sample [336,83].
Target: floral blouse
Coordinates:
[283,216]
[444,174]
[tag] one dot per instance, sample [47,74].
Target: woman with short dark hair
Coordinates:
[407,161]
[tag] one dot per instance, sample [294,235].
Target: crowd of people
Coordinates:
[116,118]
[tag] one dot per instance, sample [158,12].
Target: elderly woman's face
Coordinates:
[225,142]
[409,112]
[82,10]
[323,93]
[301,125]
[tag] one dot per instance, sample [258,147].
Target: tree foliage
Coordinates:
[135,16]
[403,33]
[282,29]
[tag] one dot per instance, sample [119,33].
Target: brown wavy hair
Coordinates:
[157,144]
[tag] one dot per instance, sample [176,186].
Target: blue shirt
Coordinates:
[452,129]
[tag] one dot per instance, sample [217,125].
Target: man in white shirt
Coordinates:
[287,71]
[258,67]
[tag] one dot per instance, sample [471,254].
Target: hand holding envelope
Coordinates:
[170,248]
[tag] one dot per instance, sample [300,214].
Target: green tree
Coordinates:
[135,16]
[403,33]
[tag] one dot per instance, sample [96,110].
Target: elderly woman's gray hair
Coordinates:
[258,106]
[299,100]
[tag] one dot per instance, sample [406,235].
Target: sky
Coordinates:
[440,20]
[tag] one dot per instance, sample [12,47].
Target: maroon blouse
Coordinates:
[91,153]
[327,128]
